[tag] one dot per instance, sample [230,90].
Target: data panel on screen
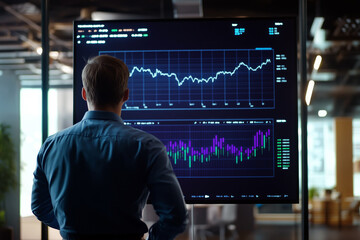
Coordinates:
[221,94]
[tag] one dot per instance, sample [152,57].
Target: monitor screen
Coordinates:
[221,94]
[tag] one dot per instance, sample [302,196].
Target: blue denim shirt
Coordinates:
[96,176]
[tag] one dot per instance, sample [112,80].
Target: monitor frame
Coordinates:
[195,201]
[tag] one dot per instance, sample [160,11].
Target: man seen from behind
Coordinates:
[93,179]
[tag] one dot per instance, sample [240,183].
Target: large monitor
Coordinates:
[221,94]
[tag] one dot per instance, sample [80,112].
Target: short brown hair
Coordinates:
[105,80]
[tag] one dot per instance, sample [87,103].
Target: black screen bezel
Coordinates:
[294,108]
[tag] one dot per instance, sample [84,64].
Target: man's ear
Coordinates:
[126,95]
[83,94]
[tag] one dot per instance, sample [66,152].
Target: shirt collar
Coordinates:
[103,115]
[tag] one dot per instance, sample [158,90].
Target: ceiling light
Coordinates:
[316,25]
[320,42]
[322,113]
[309,92]
[39,50]
[54,54]
[98,15]
[317,62]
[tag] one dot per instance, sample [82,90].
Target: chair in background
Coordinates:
[219,220]
[199,225]
[228,218]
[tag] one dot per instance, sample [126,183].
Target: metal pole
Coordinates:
[304,115]
[192,226]
[45,83]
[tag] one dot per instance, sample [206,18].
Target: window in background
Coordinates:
[31,134]
[321,154]
[60,105]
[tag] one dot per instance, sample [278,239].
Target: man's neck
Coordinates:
[116,109]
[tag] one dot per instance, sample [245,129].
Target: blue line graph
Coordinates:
[195,79]
[199,79]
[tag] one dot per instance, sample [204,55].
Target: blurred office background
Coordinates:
[333,29]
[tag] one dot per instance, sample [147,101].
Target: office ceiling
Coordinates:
[333,32]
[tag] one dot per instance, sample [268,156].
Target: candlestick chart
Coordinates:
[217,149]
[199,79]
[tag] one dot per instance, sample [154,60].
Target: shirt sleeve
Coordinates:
[166,197]
[41,205]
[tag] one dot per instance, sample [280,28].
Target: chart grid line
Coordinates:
[204,70]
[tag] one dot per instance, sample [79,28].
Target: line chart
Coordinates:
[199,79]
[195,79]
[216,149]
